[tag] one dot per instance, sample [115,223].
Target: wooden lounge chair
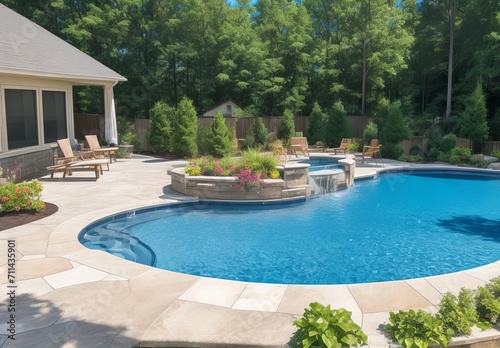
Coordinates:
[299,144]
[372,150]
[95,147]
[82,161]
[343,146]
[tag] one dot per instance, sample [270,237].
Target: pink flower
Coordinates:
[216,160]
[18,190]
[5,199]
[28,203]
[239,186]
[218,169]
[26,190]
[17,208]
[231,169]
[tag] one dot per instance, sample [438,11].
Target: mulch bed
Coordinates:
[14,219]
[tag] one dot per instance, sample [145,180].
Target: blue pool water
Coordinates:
[321,163]
[398,226]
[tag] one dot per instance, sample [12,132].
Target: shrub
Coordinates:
[474,124]
[390,150]
[395,128]
[410,158]
[415,150]
[203,139]
[255,161]
[322,326]
[352,146]
[495,153]
[184,129]
[478,162]
[417,329]
[459,155]
[458,314]
[337,126]
[159,130]
[126,134]
[220,138]
[488,301]
[22,196]
[317,123]
[286,129]
[443,157]
[260,134]
[370,132]
[448,142]
[211,166]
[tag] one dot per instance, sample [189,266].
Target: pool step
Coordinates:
[296,191]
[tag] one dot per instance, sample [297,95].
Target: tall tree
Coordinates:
[474,124]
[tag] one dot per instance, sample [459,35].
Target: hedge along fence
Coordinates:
[421,142]
[243,126]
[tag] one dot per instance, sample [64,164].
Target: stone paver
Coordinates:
[71,296]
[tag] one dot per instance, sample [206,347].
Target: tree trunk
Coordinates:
[363,82]
[450,58]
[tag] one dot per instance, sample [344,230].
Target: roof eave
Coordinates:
[42,74]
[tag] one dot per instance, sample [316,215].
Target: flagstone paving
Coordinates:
[70,296]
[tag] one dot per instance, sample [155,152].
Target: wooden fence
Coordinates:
[88,124]
[489,146]
[421,142]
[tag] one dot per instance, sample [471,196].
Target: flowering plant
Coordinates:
[210,166]
[23,196]
[249,181]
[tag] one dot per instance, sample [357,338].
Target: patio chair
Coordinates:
[81,162]
[343,146]
[95,147]
[372,150]
[299,144]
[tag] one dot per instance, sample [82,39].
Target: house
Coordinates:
[37,73]
[227,108]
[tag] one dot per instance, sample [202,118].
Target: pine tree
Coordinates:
[317,125]
[474,124]
[260,133]
[286,129]
[221,144]
[184,129]
[337,126]
[160,129]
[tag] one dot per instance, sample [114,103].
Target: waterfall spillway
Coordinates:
[325,181]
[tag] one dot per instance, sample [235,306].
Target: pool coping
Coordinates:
[194,311]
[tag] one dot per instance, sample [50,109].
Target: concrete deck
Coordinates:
[70,296]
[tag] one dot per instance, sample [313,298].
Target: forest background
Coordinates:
[281,55]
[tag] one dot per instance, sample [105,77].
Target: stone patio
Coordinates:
[70,296]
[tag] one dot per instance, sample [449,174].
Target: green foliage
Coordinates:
[337,126]
[322,326]
[159,129]
[474,124]
[210,166]
[415,150]
[260,134]
[258,163]
[203,139]
[395,128]
[286,129]
[370,132]
[220,139]
[459,155]
[389,150]
[126,134]
[417,329]
[448,142]
[21,197]
[352,146]
[488,301]
[317,125]
[458,314]
[184,129]
[495,153]
[410,158]
[495,126]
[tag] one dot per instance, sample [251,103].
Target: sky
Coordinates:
[234,3]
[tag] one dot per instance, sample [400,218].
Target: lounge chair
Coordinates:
[82,161]
[95,147]
[299,144]
[343,146]
[372,150]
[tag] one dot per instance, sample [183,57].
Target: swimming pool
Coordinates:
[401,225]
[317,164]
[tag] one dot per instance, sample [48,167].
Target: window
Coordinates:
[229,109]
[22,124]
[54,116]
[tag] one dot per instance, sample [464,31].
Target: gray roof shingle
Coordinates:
[28,49]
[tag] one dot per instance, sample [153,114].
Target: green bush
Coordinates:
[260,134]
[210,166]
[410,158]
[478,162]
[488,301]
[459,155]
[448,142]
[370,132]
[21,197]
[159,129]
[443,156]
[322,326]
[395,127]
[258,163]
[390,150]
[220,138]
[495,153]
[337,126]
[474,125]
[286,129]
[415,150]
[458,313]
[126,134]
[203,139]
[417,329]
[184,130]
[317,125]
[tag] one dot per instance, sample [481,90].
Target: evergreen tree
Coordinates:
[337,126]
[394,131]
[474,124]
[184,129]
[370,132]
[221,143]
[317,125]
[260,133]
[159,129]
[286,129]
